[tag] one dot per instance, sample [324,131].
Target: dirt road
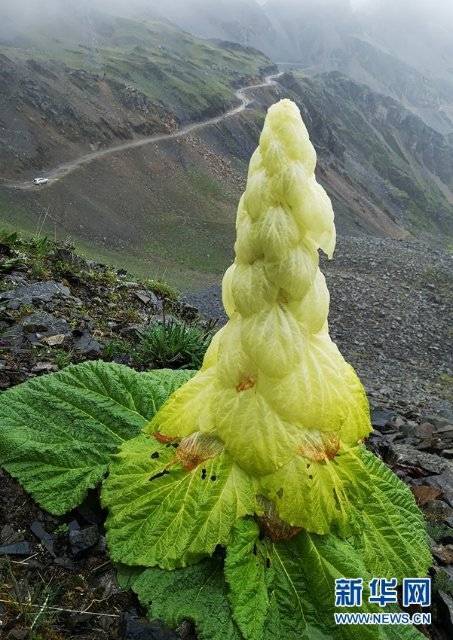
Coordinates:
[68,167]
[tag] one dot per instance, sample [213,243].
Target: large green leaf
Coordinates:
[249,576]
[162,515]
[300,584]
[58,432]
[196,593]
[392,539]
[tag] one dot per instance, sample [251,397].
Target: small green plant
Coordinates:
[172,344]
[62,358]
[116,348]
[162,289]
[8,238]
[62,529]
[40,246]
[239,493]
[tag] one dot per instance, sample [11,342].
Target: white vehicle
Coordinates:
[40,181]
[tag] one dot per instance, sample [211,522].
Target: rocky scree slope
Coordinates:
[57,308]
[391,306]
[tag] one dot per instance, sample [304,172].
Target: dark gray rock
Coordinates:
[381,418]
[83,539]
[443,481]
[41,325]
[17,549]
[424,430]
[133,628]
[445,603]
[34,293]
[46,539]
[148,297]
[407,455]
[86,345]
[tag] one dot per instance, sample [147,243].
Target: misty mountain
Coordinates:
[242,21]
[382,165]
[75,81]
[392,47]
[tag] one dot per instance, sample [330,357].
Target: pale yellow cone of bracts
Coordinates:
[274,390]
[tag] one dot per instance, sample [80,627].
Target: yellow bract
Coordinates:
[273,387]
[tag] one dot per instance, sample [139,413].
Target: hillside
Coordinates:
[86,80]
[382,165]
[402,50]
[167,209]
[56,308]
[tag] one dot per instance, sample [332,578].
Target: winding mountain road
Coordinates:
[68,167]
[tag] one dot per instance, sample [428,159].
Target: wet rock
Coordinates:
[445,604]
[134,628]
[46,539]
[437,420]
[443,481]
[41,326]
[44,367]
[147,297]
[83,539]
[424,430]
[443,553]
[445,431]
[381,418]
[403,454]
[17,549]
[34,293]
[73,526]
[85,344]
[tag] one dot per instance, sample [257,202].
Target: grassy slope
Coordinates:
[160,211]
[182,73]
[164,211]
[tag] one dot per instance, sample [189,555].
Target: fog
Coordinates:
[397,24]
[418,10]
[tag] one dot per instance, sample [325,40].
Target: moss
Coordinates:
[162,289]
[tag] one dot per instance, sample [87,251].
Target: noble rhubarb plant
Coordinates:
[236,495]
